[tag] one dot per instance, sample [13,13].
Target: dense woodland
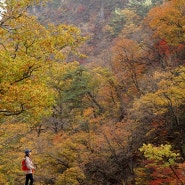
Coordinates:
[96,89]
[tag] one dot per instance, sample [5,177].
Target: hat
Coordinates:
[27,151]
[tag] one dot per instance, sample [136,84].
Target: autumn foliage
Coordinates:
[119,121]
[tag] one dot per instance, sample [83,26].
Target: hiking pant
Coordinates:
[29,177]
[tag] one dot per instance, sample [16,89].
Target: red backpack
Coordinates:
[24,167]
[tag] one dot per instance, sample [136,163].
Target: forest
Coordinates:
[95,88]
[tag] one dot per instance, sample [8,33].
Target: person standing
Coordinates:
[30,168]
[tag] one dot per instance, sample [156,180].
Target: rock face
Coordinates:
[91,16]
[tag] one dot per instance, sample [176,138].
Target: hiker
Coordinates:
[29,168]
